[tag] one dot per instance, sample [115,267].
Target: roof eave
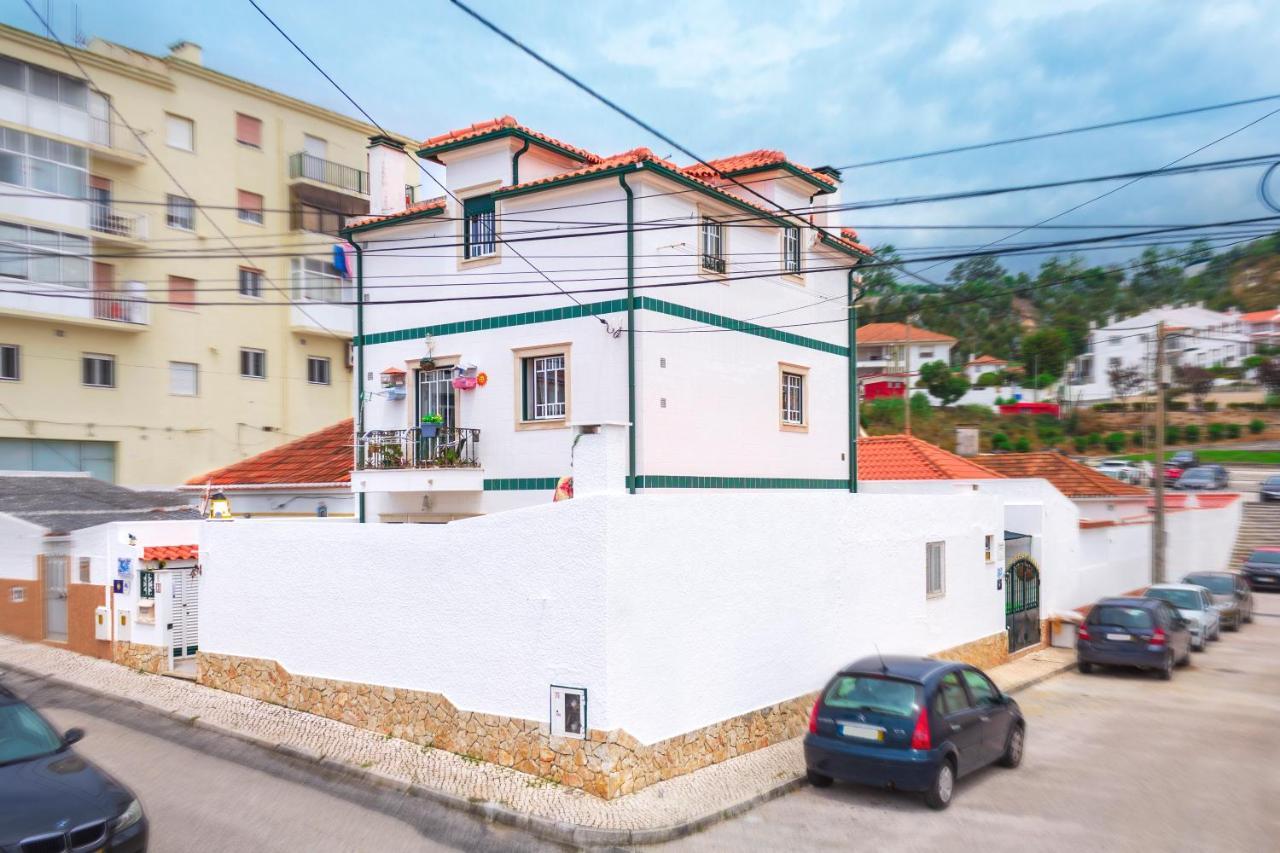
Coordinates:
[822,186]
[430,151]
[400,220]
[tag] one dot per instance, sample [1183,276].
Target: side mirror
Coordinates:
[72,736]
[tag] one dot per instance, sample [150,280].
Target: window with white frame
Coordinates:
[250,282]
[317,370]
[179,132]
[180,212]
[791,249]
[479,237]
[711,244]
[43,83]
[41,164]
[926,353]
[184,379]
[46,257]
[792,398]
[989,547]
[545,387]
[935,583]
[316,279]
[10,362]
[98,371]
[253,363]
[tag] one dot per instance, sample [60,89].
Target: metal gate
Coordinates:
[55,598]
[1022,603]
[185,613]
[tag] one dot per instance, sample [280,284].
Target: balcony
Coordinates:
[129,306]
[115,142]
[118,224]
[404,460]
[349,180]
[123,310]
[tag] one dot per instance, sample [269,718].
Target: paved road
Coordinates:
[208,792]
[1246,480]
[1114,761]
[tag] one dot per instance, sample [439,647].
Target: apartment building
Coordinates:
[171,305]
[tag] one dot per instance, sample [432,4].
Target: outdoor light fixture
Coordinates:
[219,506]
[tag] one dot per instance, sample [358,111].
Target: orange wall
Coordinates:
[25,620]
[82,600]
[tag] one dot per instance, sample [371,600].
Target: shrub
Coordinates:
[986,380]
[1022,445]
[1136,438]
[1191,433]
[1081,443]
[1257,425]
[1210,406]
[1272,401]
[884,411]
[1177,406]
[974,411]
[920,408]
[1115,442]
[1095,440]
[1217,431]
[1172,435]
[1233,430]
[999,441]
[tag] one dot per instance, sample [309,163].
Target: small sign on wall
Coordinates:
[118,586]
[568,711]
[17,594]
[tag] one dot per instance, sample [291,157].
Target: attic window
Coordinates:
[479,227]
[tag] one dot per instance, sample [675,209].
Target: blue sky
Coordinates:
[829,82]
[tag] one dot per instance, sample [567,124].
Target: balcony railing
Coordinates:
[108,134]
[304,165]
[398,449]
[128,306]
[105,219]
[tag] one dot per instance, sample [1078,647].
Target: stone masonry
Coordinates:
[152,659]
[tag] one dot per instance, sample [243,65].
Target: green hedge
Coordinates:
[1257,425]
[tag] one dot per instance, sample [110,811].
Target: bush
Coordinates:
[1172,435]
[1022,445]
[1110,407]
[974,411]
[1081,443]
[1095,440]
[1233,430]
[1210,406]
[1136,438]
[1176,406]
[1257,425]
[920,408]
[1115,442]
[1191,433]
[999,441]
[884,411]
[986,380]
[1272,402]
[1217,431]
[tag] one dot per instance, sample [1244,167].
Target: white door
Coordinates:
[185,613]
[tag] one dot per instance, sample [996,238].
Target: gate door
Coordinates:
[1022,603]
[185,613]
[55,597]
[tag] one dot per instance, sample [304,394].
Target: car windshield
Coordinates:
[1272,482]
[1265,557]
[873,693]
[1198,474]
[24,735]
[1217,584]
[1183,599]
[1132,618]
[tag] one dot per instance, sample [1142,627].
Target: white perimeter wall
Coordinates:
[20,543]
[1201,540]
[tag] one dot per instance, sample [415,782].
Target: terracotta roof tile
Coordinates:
[905,457]
[988,359]
[752,160]
[1269,316]
[418,207]
[480,128]
[171,552]
[635,155]
[322,457]
[892,333]
[1068,476]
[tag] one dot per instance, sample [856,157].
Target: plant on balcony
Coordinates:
[431,424]
[387,455]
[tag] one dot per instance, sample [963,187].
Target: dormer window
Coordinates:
[479,227]
[712,240]
[791,250]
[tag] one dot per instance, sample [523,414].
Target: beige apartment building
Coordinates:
[136,342]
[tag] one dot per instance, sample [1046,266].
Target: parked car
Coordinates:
[52,798]
[1231,596]
[1269,490]
[1262,569]
[1195,603]
[1203,477]
[1146,633]
[912,724]
[1184,459]
[1120,469]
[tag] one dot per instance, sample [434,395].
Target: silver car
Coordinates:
[1195,604]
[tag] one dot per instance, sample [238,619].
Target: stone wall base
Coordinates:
[983,653]
[152,659]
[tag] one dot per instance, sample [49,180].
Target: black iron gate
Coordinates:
[1022,603]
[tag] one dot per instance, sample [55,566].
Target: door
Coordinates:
[99,119]
[184,613]
[1022,603]
[55,598]
[105,304]
[963,721]
[995,717]
[436,395]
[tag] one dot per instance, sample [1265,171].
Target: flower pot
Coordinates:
[429,430]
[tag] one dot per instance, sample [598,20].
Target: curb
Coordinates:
[562,832]
[1044,676]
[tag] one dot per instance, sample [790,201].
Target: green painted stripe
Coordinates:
[697,315]
[678,481]
[521,484]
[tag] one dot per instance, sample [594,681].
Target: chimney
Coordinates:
[966,440]
[187,51]
[386,175]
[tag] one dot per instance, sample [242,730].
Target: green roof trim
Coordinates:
[746,327]
[501,133]
[822,186]
[848,250]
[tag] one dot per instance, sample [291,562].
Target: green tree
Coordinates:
[1045,352]
[946,386]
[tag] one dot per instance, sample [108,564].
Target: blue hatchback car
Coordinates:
[912,724]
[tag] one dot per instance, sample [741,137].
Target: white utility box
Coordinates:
[102,623]
[124,625]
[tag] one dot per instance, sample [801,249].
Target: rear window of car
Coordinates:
[1200,473]
[1122,617]
[874,693]
[1183,599]
[1271,482]
[1265,557]
[1219,584]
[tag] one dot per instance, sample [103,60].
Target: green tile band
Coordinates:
[521,484]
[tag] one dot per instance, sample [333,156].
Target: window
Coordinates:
[248,130]
[46,165]
[51,454]
[316,279]
[935,569]
[1115,340]
[926,353]
[793,398]
[86,570]
[479,227]
[179,132]
[544,388]
[250,282]
[182,292]
[873,693]
[309,217]
[317,370]
[951,697]
[983,691]
[249,207]
[43,83]
[989,547]
[184,379]
[180,212]
[791,249]
[315,146]
[98,371]
[712,245]
[9,362]
[46,257]
[253,363]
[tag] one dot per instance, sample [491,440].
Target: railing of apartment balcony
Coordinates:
[304,165]
[106,219]
[395,449]
[714,263]
[127,306]
[108,134]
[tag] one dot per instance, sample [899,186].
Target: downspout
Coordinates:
[631,334]
[515,163]
[853,386]
[360,516]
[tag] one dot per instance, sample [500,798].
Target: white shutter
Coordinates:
[179,132]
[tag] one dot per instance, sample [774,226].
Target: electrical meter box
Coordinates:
[124,625]
[102,623]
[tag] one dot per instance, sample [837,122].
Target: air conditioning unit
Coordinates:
[351,355]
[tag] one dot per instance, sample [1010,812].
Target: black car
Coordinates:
[1269,490]
[912,724]
[1262,569]
[1203,477]
[1146,633]
[1184,459]
[53,800]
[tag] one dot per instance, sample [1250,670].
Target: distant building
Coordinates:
[978,365]
[898,348]
[1263,326]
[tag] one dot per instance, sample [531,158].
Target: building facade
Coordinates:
[136,342]
[553,291]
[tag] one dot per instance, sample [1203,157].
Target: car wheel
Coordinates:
[1084,666]
[1013,749]
[938,797]
[1166,671]
[817,780]
[1235,623]
[1200,645]
[1186,659]
[1217,632]
[1248,618]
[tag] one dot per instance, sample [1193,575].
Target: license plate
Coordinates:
[863,732]
[1119,637]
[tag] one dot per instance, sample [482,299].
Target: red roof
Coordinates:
[905,457]
[895,333]
[321,457]
[747,162]
[600,164]
[171,552]
[419,207]
[1068,476]
[481,128]
[988,359]
[1269,316]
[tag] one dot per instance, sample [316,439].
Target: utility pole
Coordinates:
[1157,529]
[906,393]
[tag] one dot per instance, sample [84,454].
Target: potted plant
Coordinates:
[431,424]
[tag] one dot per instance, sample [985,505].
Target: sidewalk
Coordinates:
[660,812]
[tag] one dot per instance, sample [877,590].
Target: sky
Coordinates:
[834,82]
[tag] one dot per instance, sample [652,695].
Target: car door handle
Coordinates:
[955,727]
[985,719]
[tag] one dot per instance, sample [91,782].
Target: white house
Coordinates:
[893,347]
[1263,326]
[552,290]
[1196,336]
[980,364]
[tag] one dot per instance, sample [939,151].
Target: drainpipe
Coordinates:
[853,386]
[515,163]
[631,334]
[359,369]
